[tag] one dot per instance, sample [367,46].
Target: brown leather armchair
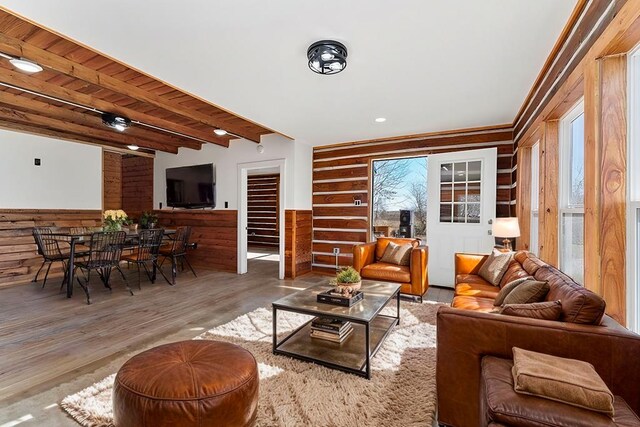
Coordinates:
[413,279]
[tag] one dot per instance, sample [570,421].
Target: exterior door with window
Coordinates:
[461,204]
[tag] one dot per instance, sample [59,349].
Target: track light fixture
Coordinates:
[114,121]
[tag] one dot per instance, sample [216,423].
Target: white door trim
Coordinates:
[243,169]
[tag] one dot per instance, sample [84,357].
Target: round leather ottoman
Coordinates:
[187,383]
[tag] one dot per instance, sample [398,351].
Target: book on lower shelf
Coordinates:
[329,324]
[330,336]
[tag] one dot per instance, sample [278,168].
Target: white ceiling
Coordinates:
[425,65]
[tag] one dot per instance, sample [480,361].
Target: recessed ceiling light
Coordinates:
[133,147]
[220,132]
[25,65]
[381,120]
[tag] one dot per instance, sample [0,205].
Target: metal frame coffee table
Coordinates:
[353,355]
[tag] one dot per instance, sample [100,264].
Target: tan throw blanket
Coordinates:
[570,381]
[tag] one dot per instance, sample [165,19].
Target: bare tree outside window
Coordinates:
[399,184]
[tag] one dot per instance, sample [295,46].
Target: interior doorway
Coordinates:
[261,217]
[263,234]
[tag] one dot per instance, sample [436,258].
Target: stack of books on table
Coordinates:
[326,328]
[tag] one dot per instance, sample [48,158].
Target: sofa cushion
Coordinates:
[527,292]
[505,406]
[579,305]
[386,272]
[473,303]
[570,381]
[382,242]
[506,289]
[495,266]
[545,310]
[474,285]
[529,262]
[397,254]
[515,271]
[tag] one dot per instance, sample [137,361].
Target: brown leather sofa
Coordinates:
[467,333]
[413,279]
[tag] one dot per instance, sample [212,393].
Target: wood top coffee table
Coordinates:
[370,328]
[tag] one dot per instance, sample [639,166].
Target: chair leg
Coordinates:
[85,288]
[126,282]
[174,268]
[35,279]
[189,265]
[138,265]
[163,275]
[46,274]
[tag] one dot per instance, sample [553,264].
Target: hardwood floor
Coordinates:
[53,346]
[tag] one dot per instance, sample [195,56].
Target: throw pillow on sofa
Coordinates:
[397,254]
[506,289]
[546,310]
[569,381]
[495,266]
[527,292]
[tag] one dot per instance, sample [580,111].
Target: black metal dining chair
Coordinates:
[146,254]
[177,251]
[104,256]
[49,248]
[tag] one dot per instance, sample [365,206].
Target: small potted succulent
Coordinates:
[148,220]
[347,281]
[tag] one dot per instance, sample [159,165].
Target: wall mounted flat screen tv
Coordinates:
[191,186]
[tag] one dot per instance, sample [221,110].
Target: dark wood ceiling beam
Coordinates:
[43,131]
[23,102]
[10,114]
[30,83]
[60,64]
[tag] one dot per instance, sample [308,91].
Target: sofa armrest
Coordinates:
[419,270]
[464,337]
[469,263]
[363,255]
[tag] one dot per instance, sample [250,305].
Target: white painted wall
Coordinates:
[70,175]
[297,168]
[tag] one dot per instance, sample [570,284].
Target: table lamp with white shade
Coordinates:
[506,228]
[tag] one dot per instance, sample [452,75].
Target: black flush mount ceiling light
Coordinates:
[327,57]
[116,122]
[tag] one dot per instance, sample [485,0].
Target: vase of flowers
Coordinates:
[113,219]
[347,281]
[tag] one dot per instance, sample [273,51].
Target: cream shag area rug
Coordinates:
[401,392]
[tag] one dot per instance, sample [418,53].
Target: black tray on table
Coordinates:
[331,297]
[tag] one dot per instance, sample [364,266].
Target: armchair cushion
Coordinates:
[382,242]
[387,272]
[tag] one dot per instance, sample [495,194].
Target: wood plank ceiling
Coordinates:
[163,117]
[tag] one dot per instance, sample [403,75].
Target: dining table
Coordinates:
[85,236]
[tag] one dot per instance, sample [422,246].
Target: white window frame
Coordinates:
[534,244]
[565,207]
[633,192]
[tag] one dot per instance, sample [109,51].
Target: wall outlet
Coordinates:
[336,251]
[357,202]
[36,162]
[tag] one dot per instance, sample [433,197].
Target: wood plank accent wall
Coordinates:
[548,198]
[263,200]
[215,232]
[297,246]
[137,185]
[341,173]
[111,180]
[601,78]
[19,259]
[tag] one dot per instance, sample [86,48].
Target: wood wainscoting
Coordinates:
[341,173]
[215,232]
[297,246]
[19,259]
